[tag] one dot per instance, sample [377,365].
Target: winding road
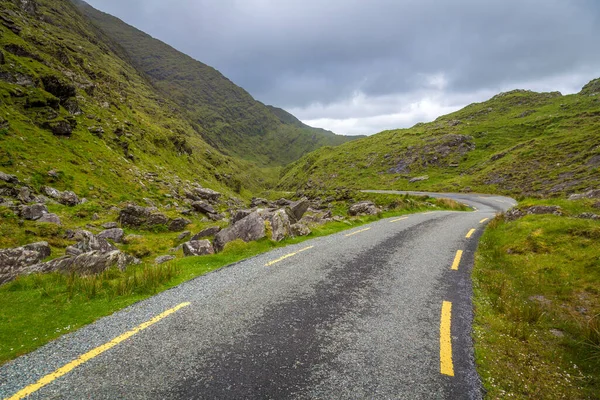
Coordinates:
[382,311]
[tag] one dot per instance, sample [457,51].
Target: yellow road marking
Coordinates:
[28,390]
[471,232]
[483,220]
[355,232]
[399,219]
[446,365]
[287,255]
[457,258]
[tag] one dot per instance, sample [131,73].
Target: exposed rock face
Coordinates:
[364,208]
[93,262]
[33,212]
[299,229]
[248,229]
[280,225]
[178,224]
[239,214]
[207,194]
[8,178]
[297,209]
[197,248]
[203,207]
[592,194]
[516,213]
[88,242]
[14,261]
[588,215]
[50,218]
[136,216]
[163,259]
[114,234]
[210,231]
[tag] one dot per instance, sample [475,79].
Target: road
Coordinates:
[381,311]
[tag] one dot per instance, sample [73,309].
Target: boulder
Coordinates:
[216,217]
[591,194]
[114,234]
[89,263]
[50,218]
[87,242]
[203,207]
[283,202]
[248,229]
[299,229]
[25,195]
[259,202]
[280,225]
[183,235]
[589,215]
[207,194]
[8,178]
[239,214]
[156,218]
[14,261]
[51,192]
[364,208]
[136,216]
[68,198]
[516,213]
[109,225]
[198,248]
[178,224]
[33,212]
[418,179]
[210,231]
[297,209]
[163,259]
[60,127]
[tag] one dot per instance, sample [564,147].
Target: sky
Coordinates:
[363,66]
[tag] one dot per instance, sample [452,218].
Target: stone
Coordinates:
[89,263]
[25,195]
[68,198]
[33,212]
[178,224]
[216,217]
[248,229]
[157,218]
[280,226]
[60,128]
[589,215]
[207,194]
[259,202]
[109,225]
[183,235]
[516,213]
[203,207]
[51,192]
[97,131]
[50,218]
[299,229]
[210,231]
[87,242]
[418,179]
[9,178]
[591,194]
[114,234]
[137,216]
[239,214]
[363,208]
[283,202]
[14,261]
[197,248]
[163,259]
[297,209]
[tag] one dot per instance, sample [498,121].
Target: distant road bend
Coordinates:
[382,311]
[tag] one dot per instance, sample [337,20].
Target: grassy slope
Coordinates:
[223,113]
[112,95]
[524,143]
[537,302]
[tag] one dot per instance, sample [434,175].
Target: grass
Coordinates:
[537,306]
[45,306]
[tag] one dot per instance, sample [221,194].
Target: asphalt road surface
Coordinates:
[382,311]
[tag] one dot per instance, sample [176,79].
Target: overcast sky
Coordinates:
[363,66]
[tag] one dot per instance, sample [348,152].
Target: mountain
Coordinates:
[225,115]
[519,142]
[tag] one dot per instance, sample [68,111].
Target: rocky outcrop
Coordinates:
[67,198]
[178,224]
[114,234]
[136,216]
[297,209]
[203,207]
[363,208]
[516,213]
[299,229]
[33,212]
[93,262]
[50,218]
[197,248]
[207,194]
[280,225]
[163,259]
[88,242]
[248,229]
[239,214]
[591,194]
[16,260]
[210,231]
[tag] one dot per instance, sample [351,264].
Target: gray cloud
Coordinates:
[314,56]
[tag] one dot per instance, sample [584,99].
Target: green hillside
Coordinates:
[225,115]
[519,142]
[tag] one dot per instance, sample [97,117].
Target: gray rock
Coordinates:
[25,195]
[283,202]
[109,225]
[87,242]
[9,178]
[163,259]
[239,214]
[364,208]
[203,207]
[93,262]
[259,202]
[183,235]
[589,215]
[178,224]
[33,212]
[136,216]
[51,192]
[198,248]
[297,209]
[50,218]
[157,218]
[516,213]
[299,229]
[14,261]
[418,179]
[114,234]
[210,231]
[591,194]
[207,194]
[248,229]
[68,198]
[216,217]
[280,226]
